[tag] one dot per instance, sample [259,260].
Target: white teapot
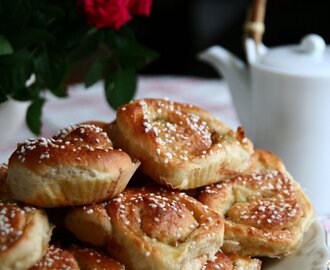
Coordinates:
[283,100]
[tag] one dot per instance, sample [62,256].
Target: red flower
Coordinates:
[113,13]
[140,7]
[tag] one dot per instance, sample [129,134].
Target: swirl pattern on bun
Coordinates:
[24,236]
[265,214]
[180,145]
[157,229]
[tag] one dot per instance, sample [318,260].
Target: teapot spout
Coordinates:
[237,76]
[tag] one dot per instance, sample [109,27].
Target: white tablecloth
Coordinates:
[84,105]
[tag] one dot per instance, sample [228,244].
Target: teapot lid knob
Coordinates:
[313,43]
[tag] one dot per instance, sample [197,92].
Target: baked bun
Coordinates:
[180,145]
[3,173]
[56,259]
[159,229]
[232,261]
[5,193]
[24,236]
[105,126]
[89,259]
[263,161]
[91,224]
[78,166]
[265,214]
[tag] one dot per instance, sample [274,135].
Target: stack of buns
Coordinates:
[202,197]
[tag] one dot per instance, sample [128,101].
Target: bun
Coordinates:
[105,126]
[24,236]
[89,259]
[159,229]
[91,224]
[263,161]
[3,173]
[56,258]
[235,203]
[232,261]
[5,193]
[78,166]
[265,214]
[179,145]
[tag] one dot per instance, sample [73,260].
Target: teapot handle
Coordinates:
[254,51]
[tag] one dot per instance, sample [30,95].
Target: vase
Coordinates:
[12,116]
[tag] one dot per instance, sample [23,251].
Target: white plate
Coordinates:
[312,253]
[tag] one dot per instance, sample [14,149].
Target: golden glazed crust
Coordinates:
[5,193]
[263,161]
[265,214]
[180,145]
[232,261]
[105,126]
[89,259]
[24,236]
[78,166]
[3,173]
[158,229]
[56,259]
[91,224]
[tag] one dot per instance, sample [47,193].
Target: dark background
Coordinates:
[179,29]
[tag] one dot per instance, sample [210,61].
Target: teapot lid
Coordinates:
[310,58]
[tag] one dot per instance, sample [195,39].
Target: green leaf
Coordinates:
[14,60]
[116,39]
[21,94]
[51,71]
[61,91]
[34,90]
[127,32]
[60,69]
[42,67]
[31,36]
[129,53]
[95,73]
[85,46]
[42,17]
[31,92]
[15,69]
[135,55]
[120,87]
[52,11]
[5,47]
[33,115]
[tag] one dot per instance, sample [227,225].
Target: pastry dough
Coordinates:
[180,145]
[78,166]
[265,214]
[263,161]
[3,173]
[24,236]
[90,224]
[89,259]
[5,193]
[56,259]
[157,229]
[232,261]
